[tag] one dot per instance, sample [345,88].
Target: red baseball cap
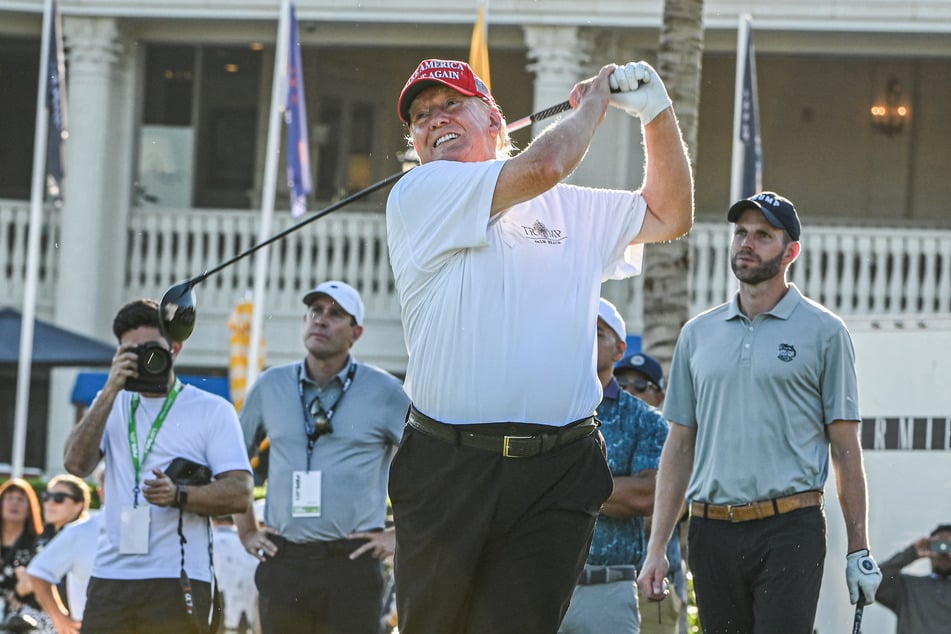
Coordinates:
[457,75]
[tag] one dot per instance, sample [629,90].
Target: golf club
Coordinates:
[177,310]
[859,609]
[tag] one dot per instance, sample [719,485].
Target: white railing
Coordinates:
[172,245]
[14,230]
[862,272]
[858,272]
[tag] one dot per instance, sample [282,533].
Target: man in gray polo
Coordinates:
[333,425]
[761,389]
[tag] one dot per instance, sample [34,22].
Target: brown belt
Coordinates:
[756,510]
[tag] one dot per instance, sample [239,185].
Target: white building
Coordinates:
[168,118]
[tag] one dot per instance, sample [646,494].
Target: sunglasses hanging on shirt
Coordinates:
[322,423]
[316,417]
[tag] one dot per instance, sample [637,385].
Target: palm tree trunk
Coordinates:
[667,266]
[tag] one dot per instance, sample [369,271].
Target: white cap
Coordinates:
[609,313]
[345,295]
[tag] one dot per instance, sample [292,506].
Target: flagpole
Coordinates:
[28,314]
[736,171]
[745,118]
[270,189]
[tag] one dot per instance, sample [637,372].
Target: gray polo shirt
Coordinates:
[354,460]
[760,394]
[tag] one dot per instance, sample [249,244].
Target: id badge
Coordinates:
[305,494]
[134,530]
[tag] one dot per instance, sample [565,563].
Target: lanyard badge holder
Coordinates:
[317,419]
[306,485]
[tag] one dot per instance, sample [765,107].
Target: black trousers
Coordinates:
[491,544]
[309,588]
[143,606]
[761,576]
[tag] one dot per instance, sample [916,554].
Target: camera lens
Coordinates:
[154,362]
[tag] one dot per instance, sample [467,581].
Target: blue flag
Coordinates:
[751,174]
[56,109]
[295,116]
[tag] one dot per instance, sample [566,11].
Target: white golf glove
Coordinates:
[639,91]
[862,575]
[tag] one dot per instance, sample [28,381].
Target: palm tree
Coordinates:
[667,266]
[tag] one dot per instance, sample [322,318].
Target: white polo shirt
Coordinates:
[499,315]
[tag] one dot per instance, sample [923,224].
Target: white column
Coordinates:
[88,263]
[616,156]
[562,56]
[91,249]
[559,57]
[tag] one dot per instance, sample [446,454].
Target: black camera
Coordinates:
[941,546]
[188,473]
[155,368]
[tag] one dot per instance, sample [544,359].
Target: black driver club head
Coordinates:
[177,311]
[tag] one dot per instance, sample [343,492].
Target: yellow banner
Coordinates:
[479,49]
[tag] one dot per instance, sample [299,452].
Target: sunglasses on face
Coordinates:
[57,496]
[638,385]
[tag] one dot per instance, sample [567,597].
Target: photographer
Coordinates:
[922,604]
[161,441]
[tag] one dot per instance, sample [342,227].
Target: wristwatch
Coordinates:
[181,497]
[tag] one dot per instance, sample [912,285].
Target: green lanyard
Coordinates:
[156,425]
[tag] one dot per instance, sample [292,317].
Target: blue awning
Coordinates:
[88,385]
[52,345]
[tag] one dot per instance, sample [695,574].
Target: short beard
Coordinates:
[765,271]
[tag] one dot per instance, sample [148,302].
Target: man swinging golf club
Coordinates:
[501,473]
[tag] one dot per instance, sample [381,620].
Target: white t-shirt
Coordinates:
[201,427]
[70,554]
[499,314]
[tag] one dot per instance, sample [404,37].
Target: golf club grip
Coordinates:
[551,111]
[857,622]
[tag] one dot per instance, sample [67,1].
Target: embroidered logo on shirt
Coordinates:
[540,234]
[786,352]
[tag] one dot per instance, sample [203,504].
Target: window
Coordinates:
[344,140]
[199,126]
[19,74]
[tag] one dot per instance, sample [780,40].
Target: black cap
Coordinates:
[778,211]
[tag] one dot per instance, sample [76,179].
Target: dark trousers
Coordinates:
[144,606]
[491,544]
[761,576]
[317,588]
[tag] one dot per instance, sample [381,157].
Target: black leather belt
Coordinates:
[315,549]
[593,575]
[513,445]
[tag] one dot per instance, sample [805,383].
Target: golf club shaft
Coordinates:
[343,202]
[389,180]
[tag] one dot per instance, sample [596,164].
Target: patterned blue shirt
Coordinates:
[634,433]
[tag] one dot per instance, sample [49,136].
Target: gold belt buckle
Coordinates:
[730,508]
[506,445]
